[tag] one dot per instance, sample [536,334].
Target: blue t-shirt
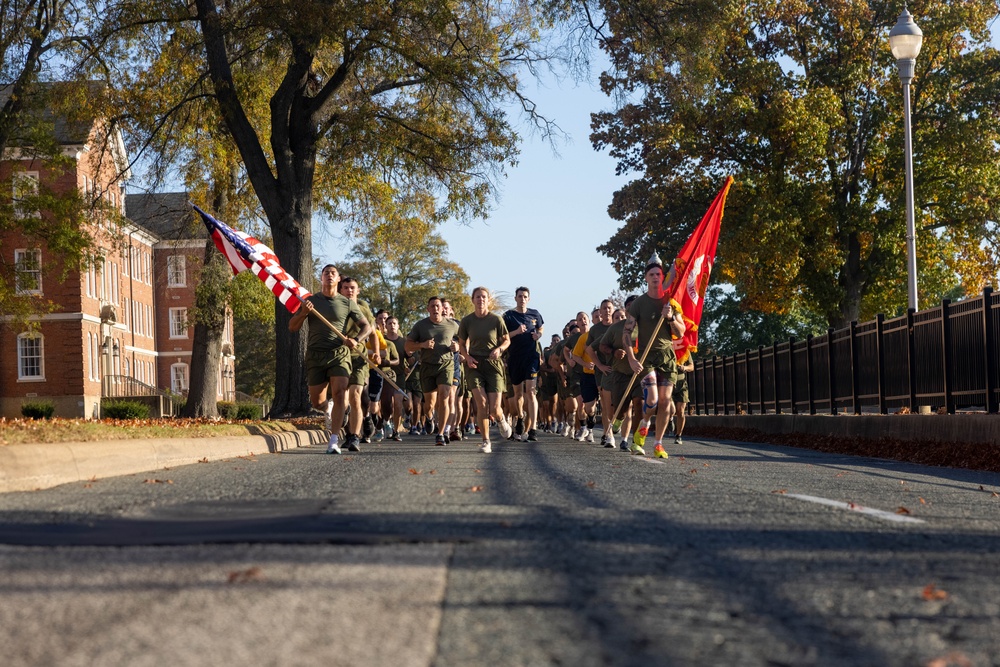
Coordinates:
[523,344]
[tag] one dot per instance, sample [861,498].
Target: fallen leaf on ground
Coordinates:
[158,481]
[414,471]
[243,576]
[931,592]
[922,501]
[780,491]
[204,460]
[954,659]
[902,510]
[693,471]
[440,492]
[591,484]
[475,489]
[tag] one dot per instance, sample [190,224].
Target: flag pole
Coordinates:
[628,389]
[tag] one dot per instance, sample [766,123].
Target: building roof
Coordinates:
[168,215]
[69,130]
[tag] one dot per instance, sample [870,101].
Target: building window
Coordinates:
[25,191]
[28,267]
[30,357]
[176,274]
[178,323]
[179,378]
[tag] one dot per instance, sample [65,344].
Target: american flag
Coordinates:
[245,252]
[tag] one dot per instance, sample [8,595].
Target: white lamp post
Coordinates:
[905,39]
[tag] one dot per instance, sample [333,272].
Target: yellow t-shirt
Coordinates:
[580,350]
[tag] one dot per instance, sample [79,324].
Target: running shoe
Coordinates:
[439,440]
[678,441]
[414,430]
[519,426]
[485,448]
[333,447]
[637,450]
[581,433]
[624,446]
[531,435]
[659,452]
[604,439]
[639,437]
[610,442]
[395,437]
[353,443]
[616,425]
[590,436]
[504,426]
[456,435]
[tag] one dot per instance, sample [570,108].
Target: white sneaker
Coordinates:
[505,429]
[485,448]
[581,433]
[333,447]
[611,441]
[590,435]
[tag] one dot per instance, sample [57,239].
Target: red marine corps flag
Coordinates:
[245,252]
[688,277]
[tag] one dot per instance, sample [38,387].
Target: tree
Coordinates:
[36,42]
[341,108]
[801,103]
[730,327]
[400,266]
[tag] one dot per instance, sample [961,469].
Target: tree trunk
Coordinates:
[209,329]
[291,395]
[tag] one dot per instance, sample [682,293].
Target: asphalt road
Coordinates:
[555,553]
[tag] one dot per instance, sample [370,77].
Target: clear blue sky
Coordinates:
[550,218]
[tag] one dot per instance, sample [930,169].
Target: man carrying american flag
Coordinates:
[328,355]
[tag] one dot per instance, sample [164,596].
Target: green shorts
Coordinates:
[432,377]
[321,365]
[680,388]
[488,376]
[619,382]
[663,361]
[359,370]
[574,382]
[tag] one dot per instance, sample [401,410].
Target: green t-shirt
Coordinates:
[481,334]
[354,329]
[338,311]
[647,311]
[442,333]
[614,338]
[596,333]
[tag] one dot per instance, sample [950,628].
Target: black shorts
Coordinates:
[588,387]
[522,368]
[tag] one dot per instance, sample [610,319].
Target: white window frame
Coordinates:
[176,271]
[179,378]
[22,358]
[20,254]
[178,322]
[24,183]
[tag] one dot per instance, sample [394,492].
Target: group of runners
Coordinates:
[455,378]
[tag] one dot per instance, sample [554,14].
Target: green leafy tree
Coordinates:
[400,266]
[801,103]
[340,108]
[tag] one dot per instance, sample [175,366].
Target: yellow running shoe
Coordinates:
[639,437]
[659,452]
[637,450]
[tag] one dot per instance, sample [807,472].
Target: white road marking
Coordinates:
[854,507]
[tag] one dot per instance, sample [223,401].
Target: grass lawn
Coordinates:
[22,431]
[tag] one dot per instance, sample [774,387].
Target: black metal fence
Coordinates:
[945,357]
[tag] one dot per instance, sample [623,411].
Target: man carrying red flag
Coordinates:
[649,313]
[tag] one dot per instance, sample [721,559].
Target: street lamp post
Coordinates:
[905,39]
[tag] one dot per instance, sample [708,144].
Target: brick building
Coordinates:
[118,327]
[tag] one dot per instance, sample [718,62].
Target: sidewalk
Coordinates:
[42,465]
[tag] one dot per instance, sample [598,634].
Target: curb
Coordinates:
[42,465]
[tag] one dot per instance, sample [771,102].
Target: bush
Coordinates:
[227,409]
[124,410]
[38,409]
[249,411]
